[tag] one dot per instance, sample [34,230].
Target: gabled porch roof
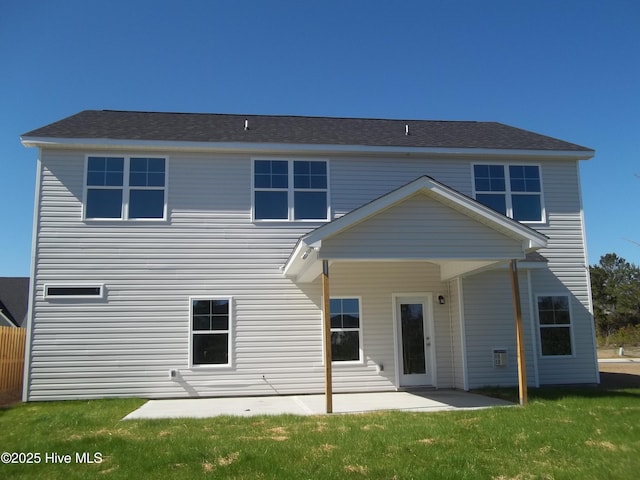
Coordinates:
[423,220]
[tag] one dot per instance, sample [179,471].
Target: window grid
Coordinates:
[555,325]
[298,192]
[125,188]
[346,330]
[513,190]
[210,324]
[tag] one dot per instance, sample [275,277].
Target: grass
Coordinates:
[562,434]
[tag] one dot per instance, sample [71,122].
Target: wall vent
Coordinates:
[499,357]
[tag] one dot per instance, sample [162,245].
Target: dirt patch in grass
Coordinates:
[229,459]
[603,445]
[361,469]
[373,427]
[427,441]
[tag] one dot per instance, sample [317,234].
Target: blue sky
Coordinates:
[568,69]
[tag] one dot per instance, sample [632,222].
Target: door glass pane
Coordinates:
[413,354]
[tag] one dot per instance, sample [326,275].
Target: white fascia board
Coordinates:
[299,148]
[303,265]
[293,265]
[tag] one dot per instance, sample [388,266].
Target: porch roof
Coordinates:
[423,220]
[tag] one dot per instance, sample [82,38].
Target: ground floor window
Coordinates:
[554,316]
[210,331]
[346,334]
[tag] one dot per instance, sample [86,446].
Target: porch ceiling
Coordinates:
[421,221]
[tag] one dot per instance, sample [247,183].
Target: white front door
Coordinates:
[413,327]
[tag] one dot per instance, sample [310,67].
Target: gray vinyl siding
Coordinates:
[568,273]
[419,227]
[489,324]
[356,181]
[376,283]
[126,343]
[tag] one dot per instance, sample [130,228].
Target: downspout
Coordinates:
[326,322]
[534,334]
[463,335]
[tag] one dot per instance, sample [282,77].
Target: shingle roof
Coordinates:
[199,127]
[14,298]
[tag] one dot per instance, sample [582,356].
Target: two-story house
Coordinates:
[184,255]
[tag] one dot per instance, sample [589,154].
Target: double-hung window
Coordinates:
[210,331]
[346,333]
[513,190]
[125,188]
[554,317]
[290,190]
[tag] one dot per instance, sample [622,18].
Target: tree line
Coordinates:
[615,285]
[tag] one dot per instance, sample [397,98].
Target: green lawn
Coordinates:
[562,434]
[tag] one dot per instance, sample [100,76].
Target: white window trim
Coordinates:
[49,297]
[569,325]
[126,188]
[216,366]
[508,193]
[290,191]
[360,330]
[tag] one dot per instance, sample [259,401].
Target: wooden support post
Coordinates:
[326,320]
[517,307]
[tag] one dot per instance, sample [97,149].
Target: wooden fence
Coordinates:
[11,358]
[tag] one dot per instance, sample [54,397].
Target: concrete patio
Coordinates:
[424,401]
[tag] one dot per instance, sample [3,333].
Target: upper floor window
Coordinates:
[290,190]
[513,190]
[126,188]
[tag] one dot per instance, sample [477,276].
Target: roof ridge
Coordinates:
[285,115]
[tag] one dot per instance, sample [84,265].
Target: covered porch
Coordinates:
[401,259]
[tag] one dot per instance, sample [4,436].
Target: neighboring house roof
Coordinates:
[14,299]
[226,128]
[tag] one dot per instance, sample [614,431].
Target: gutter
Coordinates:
[263,148]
